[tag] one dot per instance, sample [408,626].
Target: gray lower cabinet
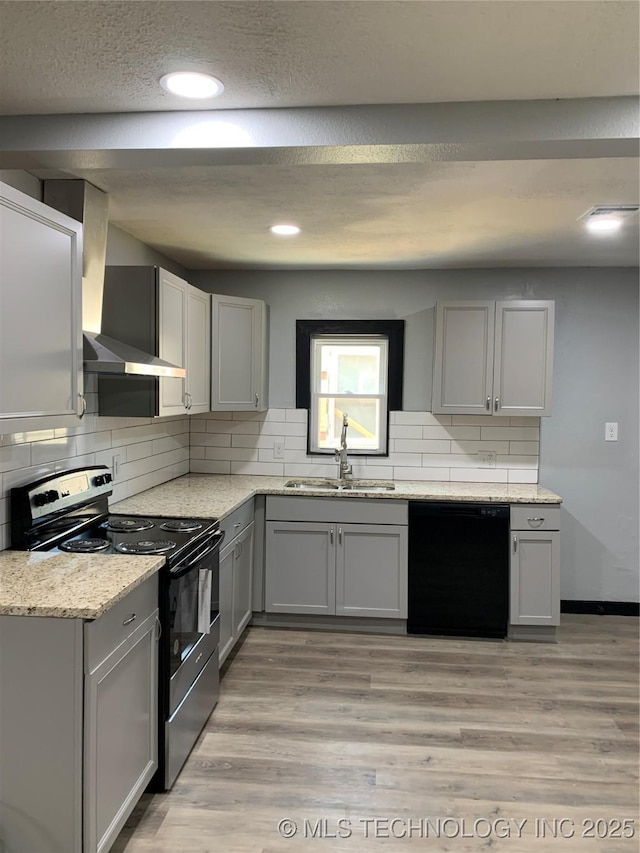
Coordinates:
[78,725]
[300,567]
[236,589]
[535,566]
[333,568]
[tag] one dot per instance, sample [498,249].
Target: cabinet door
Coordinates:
[242,581]
[238,354]
[198,351]
[121,742]
[463,358]
[300,567]
[535,577]
[226,602]
[371,570]
[40,315]
[172,345]
[523,365]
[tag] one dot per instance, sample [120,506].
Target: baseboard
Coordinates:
[601,608]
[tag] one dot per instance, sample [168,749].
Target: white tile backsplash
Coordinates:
[422,446]
[151,452]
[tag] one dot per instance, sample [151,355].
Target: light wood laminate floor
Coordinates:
[414,743]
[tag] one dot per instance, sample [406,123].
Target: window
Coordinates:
[349,377]
[353,368]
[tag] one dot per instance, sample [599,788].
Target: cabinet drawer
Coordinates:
[535,517]
[237,520]
[105,634]
[337,509]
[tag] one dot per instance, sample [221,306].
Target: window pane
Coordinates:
[349,365]
[364,422]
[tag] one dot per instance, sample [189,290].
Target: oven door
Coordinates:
[193,618]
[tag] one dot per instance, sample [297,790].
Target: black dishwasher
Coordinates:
[458,569]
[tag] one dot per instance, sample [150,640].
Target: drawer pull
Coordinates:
[515,543]
[130,619]
[536,519]
[237,524]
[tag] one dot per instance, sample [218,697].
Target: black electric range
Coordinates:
[69,512]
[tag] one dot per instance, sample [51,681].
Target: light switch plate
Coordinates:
[611,432]
[278,448]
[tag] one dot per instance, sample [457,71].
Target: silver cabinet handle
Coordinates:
[189,400]
[495,404]
[340,535]
[488,404]
[536,519]
[159,631]
[83,405]
[331,535]
[130,619]
[257,401]
[237,524]
[515,543]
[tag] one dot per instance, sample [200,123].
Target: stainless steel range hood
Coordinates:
[102,354]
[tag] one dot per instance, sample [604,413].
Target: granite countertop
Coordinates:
[72,586]
[216,495]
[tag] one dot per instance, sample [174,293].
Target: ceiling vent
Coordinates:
[610,211]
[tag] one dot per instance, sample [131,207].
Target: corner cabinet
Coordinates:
[79,732]
[165,316]
[493,358]
[351,561]
[239,354]
[535,567]
[40,315]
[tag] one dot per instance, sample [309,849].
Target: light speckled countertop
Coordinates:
[216,495]
[72,586]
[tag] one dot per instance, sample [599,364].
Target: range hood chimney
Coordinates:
[102,354]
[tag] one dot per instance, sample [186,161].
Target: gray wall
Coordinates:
[595,376]
[123,249]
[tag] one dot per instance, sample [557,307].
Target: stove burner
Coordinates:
[146,546]
[127,525]
[84,546]
[181,526]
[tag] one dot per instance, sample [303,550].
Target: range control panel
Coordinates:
[67,490]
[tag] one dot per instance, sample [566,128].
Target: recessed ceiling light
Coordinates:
[191,84]
[285,230]
[600,225]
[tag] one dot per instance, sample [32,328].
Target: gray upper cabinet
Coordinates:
[40,315]
[239,358]
[493,358]
[165,316]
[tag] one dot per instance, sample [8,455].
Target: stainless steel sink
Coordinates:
[339,486]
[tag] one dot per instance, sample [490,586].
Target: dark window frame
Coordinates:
[393,330]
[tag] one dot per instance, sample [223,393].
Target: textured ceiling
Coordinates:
[75,57]
[385,215]
[102,57]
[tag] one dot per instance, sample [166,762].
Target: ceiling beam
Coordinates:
[499,130]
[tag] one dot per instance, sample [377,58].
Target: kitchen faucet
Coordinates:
[344,469]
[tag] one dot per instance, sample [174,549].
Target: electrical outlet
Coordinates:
[611,432]
[487,459]
[116,461]
[278,448]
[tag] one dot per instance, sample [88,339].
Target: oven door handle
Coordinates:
[206,549]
